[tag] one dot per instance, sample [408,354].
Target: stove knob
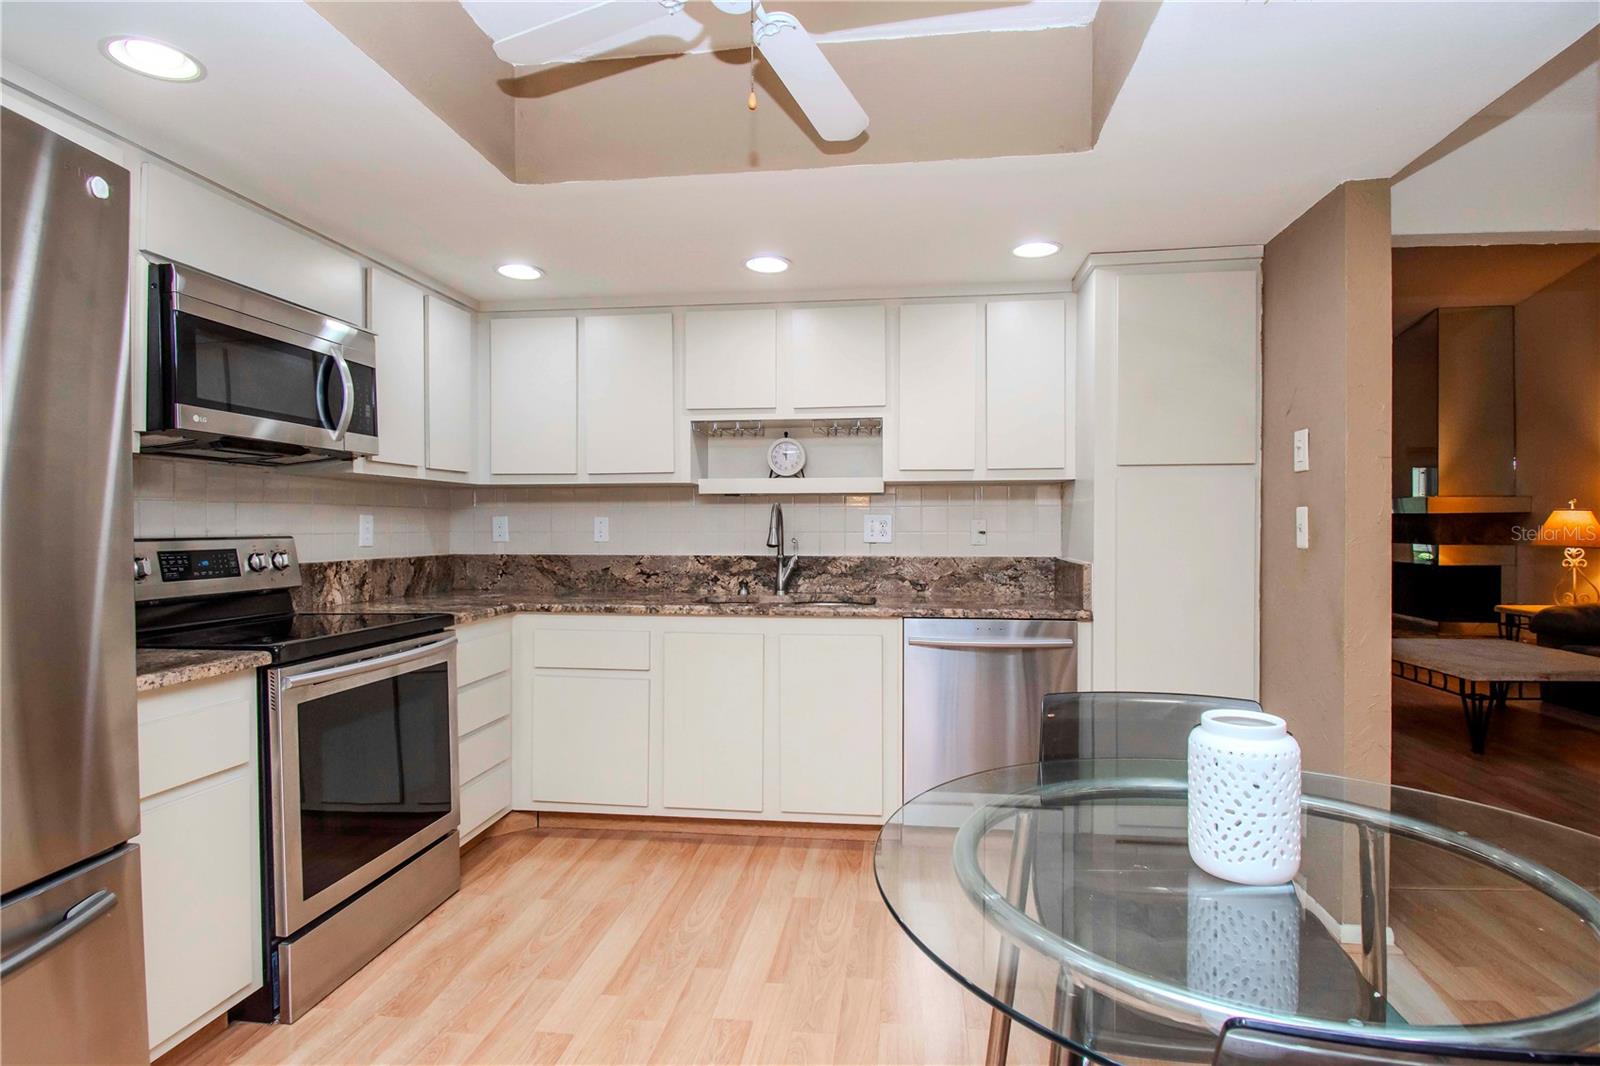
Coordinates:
[257,562]
[141,568]
[280,560]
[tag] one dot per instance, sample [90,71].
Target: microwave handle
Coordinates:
[348,407]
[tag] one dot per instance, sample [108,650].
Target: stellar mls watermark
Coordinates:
[1530,535]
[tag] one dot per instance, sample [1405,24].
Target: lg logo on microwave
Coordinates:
[198,418]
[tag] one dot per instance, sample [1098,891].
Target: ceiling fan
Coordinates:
[784,44]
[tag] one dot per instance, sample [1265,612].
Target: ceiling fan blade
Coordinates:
[797,61]
[582,29]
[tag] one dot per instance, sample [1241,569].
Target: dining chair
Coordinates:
[1252,1043]
[1124,725]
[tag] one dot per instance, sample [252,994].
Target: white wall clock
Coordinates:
[786,457]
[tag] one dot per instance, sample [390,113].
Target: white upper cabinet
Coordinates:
[1186,378]
[196,225]
[629,406]
[534,396]
[398,318]
[1025,376]
[449,386]
[731,359]
[938,395]
[837,357]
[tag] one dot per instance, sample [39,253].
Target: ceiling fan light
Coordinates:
[1035,249]
[767,264]
[153,59]
[520,271]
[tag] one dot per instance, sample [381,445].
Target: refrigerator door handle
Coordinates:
[78,918]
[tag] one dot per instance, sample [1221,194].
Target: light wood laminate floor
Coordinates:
[596,946]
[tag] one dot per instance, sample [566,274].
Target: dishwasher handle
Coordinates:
[999,644]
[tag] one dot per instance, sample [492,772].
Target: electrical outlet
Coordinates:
[364,531]
[878,528]
[500,529]
[1302,527]
[980,531]
[1302,449]
[602,529]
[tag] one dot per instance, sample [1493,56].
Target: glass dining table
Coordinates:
[1062,894]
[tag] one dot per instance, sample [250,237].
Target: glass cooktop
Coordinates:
[303,635]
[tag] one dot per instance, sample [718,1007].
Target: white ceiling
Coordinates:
[700,27]
[1235,118]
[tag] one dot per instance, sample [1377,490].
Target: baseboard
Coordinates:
[206,1032]
[522,821]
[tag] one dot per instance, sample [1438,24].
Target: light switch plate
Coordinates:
[878,528]
[500,529]
[602,529]
[364,531]
[1302,527]
[1302,449]
[980,531]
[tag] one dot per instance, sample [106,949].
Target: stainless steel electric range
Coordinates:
[359,789]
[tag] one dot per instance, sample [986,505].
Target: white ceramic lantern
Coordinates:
[1244,797]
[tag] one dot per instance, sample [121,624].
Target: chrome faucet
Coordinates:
[775,540]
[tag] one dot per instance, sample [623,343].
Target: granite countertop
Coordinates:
[164,667]
[474,606]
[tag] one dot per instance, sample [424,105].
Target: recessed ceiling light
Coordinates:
[153,59]
[521,272]
[1035,249]
[767,264]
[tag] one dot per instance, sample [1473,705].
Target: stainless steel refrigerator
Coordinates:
[71,939]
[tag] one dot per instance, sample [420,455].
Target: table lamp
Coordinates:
[1572,530]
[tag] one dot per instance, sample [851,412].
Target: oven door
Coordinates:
[364,773]
[238,364]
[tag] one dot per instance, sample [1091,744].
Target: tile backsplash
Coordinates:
[677,520]
[180,498]
[188,498]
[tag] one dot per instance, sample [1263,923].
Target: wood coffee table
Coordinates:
[1486,673]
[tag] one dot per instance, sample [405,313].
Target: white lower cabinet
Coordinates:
[785,719]
[830,732]
[713,693]
[200,853]
[483,723]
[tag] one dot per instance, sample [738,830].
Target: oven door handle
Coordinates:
[333,673]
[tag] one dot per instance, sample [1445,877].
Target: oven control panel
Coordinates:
[203,566]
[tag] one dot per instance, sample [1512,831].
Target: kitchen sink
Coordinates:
[802,600]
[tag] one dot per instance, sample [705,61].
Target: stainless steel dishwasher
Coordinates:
[973,690]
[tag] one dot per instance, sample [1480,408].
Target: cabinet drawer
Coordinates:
[483,654]
[186,745]
[479,704]
[202,920]
[484,798]
[591,649]
[487,747]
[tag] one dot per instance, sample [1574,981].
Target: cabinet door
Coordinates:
[398,318]
[836,356]
[202,923]
[628,404]
[830,723]
[938,386]
[714,696]
[1186,370]
[533,412]
[590,740]
[211,231]
[730,359]
[1026,385]
[449,386]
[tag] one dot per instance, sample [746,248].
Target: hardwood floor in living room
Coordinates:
[1542,760]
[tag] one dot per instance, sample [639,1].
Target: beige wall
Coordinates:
[1326,367]
[1558,414]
